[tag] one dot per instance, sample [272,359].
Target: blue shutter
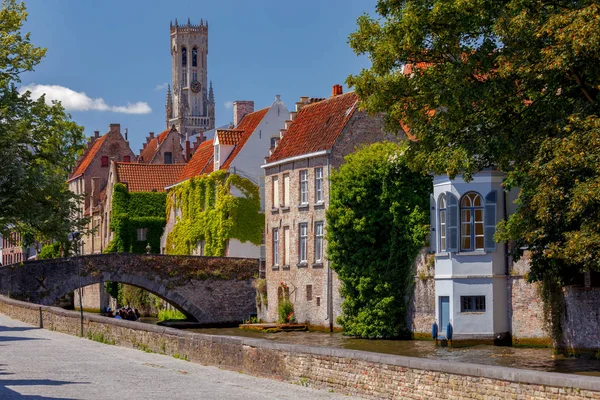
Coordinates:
[432,230]
[489,221]
[451,222]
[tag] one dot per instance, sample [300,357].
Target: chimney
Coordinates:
[151,134]
[336,90]
[293,115]
[287,124]
[115,128]
[126,132]
[277,97]
[241,108]
[96,134]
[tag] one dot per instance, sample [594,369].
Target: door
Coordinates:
[444,313]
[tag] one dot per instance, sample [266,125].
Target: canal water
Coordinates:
[541,359]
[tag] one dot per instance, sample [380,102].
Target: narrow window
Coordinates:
[286,245]
[142,234]
[184,77]
[309,296]
[168,157]
[217,155]
[472,303]
[194,57]
[275,192]
[471,222]
[319,242]
[286,190]
[319,185]
[442,208]
[275,246]
[303,243]
[183,56]
[304,187]
[127,159]
[104,161]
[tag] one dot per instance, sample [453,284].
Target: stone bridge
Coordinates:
[208,289]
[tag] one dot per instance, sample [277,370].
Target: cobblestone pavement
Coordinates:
[39,364]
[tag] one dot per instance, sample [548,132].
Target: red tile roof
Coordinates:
[248,124]
[316,126]
[229,137]
[88,157]
[148,177]
[147,154]
[200,163]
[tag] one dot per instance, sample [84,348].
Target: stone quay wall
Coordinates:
[370,375]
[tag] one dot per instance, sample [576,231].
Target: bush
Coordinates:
[170,315]
[285,311]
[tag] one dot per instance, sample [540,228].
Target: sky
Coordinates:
[109,61]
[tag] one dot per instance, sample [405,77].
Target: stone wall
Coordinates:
[581,320]
[421,314]
[526,313]
[359,373]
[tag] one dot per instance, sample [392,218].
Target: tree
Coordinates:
[377,223]
[508,84]
[39,143]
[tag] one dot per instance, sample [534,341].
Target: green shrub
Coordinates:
[285,310]
[170,315]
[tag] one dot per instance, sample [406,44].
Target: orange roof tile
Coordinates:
[200,163]
[316,126]
[248,124]
[88,157]
[147,154]
[148,177]
[229,137]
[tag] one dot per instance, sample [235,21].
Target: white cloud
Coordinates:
[228,105]
[79,101]
[162,86]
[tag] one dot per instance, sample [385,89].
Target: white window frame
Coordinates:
[275,192]
[443,223]
[286,190]
[319,185]
[302,243]
[275,246]
[304,186]
[319,230]
[142,234]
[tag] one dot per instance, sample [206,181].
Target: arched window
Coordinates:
[183,56]
[442,219]
[194,57]
[471,222]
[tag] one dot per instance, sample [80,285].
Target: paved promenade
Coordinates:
[39,364]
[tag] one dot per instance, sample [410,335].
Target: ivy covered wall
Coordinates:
[207,211]
[131,211]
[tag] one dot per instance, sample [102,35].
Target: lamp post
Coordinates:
[74,238]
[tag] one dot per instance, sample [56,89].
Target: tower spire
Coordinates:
[211,94]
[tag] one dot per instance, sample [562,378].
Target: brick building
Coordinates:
[162,149]
[314,142]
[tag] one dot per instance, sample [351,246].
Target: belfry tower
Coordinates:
[190,106]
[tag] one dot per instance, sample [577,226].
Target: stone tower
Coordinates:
[191,104]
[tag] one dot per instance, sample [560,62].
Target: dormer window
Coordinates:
[104,161]
[217,155]
[168,157]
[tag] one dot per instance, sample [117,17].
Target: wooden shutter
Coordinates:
[432,235]
[489,221]
[452,222]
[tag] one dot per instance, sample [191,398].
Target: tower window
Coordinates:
[184,56]
[194,57]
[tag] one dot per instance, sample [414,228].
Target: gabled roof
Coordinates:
[147,177]
[316,126]
[147,154]
[248,124]
[200,163]
[229,137]
[88,157]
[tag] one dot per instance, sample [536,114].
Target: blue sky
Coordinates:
[117,53]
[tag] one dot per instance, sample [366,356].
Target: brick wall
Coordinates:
[358,373]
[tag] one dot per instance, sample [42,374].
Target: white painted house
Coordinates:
[471,269]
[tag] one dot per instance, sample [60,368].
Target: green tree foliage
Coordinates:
[377,224]
[132,211]
[210,212]
[39,143]
[511,84]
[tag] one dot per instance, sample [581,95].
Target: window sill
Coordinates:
[472,253]
[472,312]
[302,265]
[319,204]
[285,267]
[442,254]
[275,268]
[303,206]
[317,265]
[284,208]
[274,210]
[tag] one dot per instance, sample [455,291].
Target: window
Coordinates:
[127,159]
[274,142]
[286,190]
[183,56]
[194,75]
[304,187]
[275,192]
[104,161]
[275,246]
[471,222]
[309,296]
[217,155]
[319,242]
[472,303]
[318,185]
[184,77]
[286,245]
[303,243]
[142,234]
[168,157]
[194,57]
[442,213]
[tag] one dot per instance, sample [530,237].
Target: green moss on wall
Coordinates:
[208,211]
[131,211]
